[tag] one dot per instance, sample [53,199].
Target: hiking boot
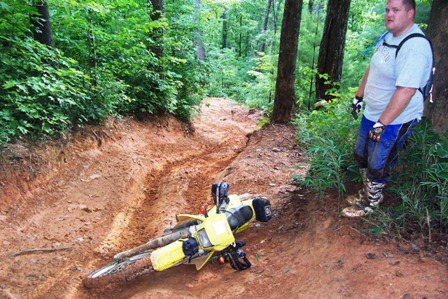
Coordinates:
[361,207]
[357,210]
[371,193]
[362,194]
[370,196]
[375,193]
[358,198]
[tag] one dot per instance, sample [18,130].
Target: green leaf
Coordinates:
[9,84]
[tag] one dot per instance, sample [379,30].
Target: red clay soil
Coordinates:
[65,210]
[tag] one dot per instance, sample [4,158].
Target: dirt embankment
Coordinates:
[113,188]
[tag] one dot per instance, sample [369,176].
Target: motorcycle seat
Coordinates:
[238,216]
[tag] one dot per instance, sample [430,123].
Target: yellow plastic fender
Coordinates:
[167,256]
[201,261]
[185,218]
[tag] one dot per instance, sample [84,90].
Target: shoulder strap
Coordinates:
[421,89]
[375,43]
[411,36]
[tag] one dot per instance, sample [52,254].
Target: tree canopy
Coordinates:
[102,58]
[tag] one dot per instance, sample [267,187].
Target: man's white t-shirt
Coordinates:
[411,68]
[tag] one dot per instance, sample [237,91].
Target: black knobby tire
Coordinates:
[121,271]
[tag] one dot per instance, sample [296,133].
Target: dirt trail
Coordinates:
[113,188]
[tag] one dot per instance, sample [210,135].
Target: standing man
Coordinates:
[393,103]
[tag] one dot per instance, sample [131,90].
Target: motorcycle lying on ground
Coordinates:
[195,239]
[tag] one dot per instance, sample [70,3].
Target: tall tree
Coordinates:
[331,52]
[41,25]
[156,12]
[200,49]
[438,33]
[314,10]
[225,29]
[262,46]
[285,99]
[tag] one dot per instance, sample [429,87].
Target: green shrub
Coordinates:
[43,92]
[420,182]
[328,135]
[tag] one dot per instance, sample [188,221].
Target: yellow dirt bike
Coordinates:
[193,240]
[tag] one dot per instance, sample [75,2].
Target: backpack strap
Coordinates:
[401,44]
[408,37]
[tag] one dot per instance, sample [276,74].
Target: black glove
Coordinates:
[377,131]
[356,106]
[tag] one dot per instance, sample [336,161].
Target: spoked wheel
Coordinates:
[124,270]
[165,239]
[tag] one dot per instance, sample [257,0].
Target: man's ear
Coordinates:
[411,13]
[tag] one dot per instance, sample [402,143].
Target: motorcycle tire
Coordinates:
[154,243]
[121,271]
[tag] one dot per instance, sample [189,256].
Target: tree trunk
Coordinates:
[240,38]
[41,25]
[156,11]
[318,7]
[275,12]
[262,46]
[200,49]
[331,53]
[224,29]
[91,43]
[438,33]
[285,99]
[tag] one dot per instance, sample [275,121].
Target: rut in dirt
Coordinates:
[183,185]
[113,195]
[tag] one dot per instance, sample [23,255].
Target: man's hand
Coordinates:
[377,131]
[356,106]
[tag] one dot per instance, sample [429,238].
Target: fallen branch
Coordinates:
[40,250]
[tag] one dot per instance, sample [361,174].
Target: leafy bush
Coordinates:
[328,135]
[116,47]
[420,182]
[103,65]
[43,92]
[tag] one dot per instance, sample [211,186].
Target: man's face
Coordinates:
[398,17]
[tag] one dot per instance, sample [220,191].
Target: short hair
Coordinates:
[410,4]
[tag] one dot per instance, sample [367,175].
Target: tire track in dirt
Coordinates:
[115,193]
[184,184]
[148,171]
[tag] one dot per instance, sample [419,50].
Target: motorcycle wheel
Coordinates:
[120,271]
